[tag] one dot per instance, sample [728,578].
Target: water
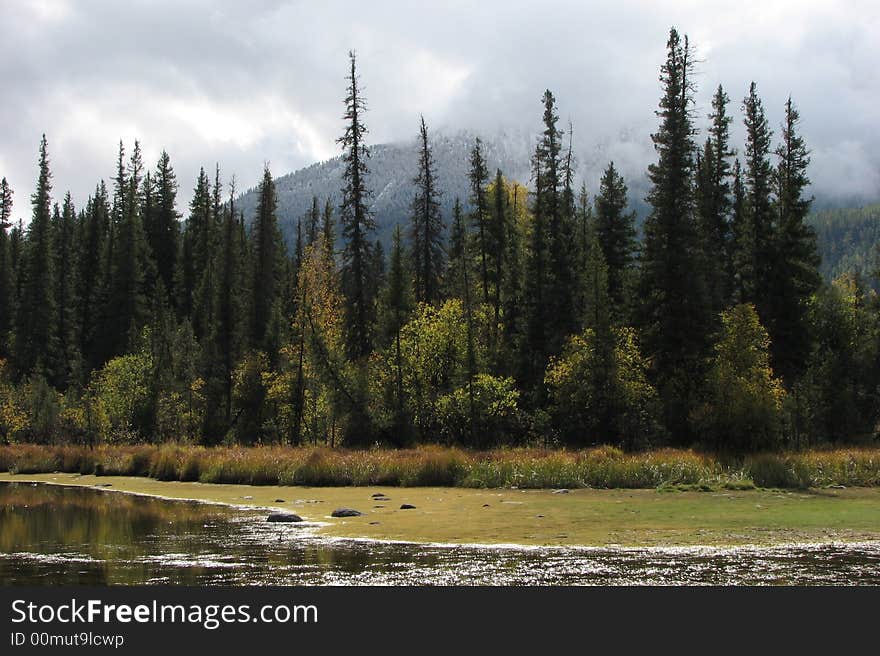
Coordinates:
[51,535]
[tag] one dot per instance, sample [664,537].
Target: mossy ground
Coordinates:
[586,517]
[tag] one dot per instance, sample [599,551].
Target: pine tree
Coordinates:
[125,311]
[498,232]
[163,231]
[67,369]
[267,266]
[313,222]
[559,173]
[547,309]
[7,286]
[674,312]
[479,176]
[715,204]
[94,235]
[198,242]
[759,208]
[397,303]
[36,339]
[426,231]
[357,222]
[227,332]
[743,246]
[470,352]
[796,275]
[616,236]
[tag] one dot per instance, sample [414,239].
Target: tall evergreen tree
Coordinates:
[758,182]
[498,233]
[227,331]
[616,236]
[7,285]
[357,221]
[94,236]
[36,339]
[742,235]
[675,312]
[548,307]
[426,231]
[267,266]
[397,301]
[715,204]
[126,308]
[478,177]
[796,275]
[163,230]
[313,222]
[67,369]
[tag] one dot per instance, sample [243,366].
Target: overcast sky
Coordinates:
[243,83]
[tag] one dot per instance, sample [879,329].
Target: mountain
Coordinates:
[392,169]
[848,239]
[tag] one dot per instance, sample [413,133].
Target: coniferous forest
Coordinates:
[534,314]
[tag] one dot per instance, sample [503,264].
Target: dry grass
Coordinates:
[602,467]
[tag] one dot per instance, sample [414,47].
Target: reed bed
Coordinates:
[601,467]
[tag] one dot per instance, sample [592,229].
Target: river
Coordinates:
[54,535]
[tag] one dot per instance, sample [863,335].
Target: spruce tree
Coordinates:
[795,271]
[313,222]
[426,230]
[94,235]
[548,307]
[715,204]
[498,232]
[479,176]
[36,337]
[268,261]
[227,334]
[67,368]
[674,311]
[7,285]
[198,244]
[163,231]
[126,311]
[616,236]
[397,302]
[758,182]
[742,235]
[357,222]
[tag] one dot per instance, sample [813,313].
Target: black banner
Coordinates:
[171,620]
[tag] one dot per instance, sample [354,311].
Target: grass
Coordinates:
[524,468]
[628,517]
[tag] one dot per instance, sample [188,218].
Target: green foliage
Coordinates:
[745,400]
[123,385]
[481,414]
[839,388]
[596,399]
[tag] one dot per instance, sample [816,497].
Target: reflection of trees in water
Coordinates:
[112,534]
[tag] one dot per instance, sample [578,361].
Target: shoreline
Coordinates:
[512,518]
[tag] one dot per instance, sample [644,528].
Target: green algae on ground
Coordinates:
[584,517]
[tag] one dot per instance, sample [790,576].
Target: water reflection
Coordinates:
[54,535]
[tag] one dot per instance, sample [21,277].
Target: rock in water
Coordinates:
[407,506]
[279,516]
[562,491]
[346,512]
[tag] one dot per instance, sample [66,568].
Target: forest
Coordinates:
[531,315]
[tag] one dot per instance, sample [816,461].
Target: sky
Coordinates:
[247,83]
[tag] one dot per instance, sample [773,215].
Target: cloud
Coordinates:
[246,83]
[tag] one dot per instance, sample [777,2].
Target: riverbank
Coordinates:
[531,468]
[586,517]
